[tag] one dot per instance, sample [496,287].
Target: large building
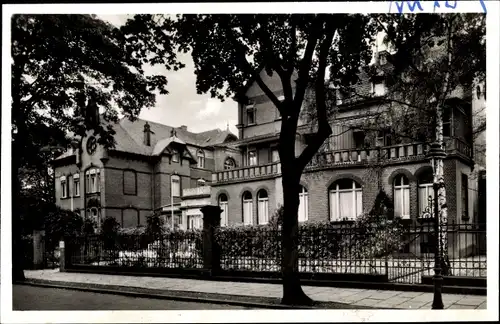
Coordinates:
[343,179]
[173,171]
[147,171]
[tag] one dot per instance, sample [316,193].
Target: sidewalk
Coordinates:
[351,297]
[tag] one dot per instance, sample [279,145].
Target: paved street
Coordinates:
[37,298]
[353,297]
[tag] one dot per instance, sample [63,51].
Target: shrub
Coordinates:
[109,232]
[61,223]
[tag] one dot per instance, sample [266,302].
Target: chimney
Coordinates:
[184,127]
[147,134]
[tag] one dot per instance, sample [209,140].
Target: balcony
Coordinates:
[346,158]
[247,173]
[196,192]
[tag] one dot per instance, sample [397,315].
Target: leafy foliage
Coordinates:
[109,231]
[60,224]
[65,68]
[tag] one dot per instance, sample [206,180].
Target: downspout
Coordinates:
[153,186]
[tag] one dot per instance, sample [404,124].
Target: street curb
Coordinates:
[127,291]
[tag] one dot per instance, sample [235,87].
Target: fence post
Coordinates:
[211,251]
[62,256]
[38,249]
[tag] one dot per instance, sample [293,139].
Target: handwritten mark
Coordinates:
[412,5]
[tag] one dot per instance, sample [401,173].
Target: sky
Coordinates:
[183,106]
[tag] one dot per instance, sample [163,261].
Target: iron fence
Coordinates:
[400,254]
[171,250]
[403,255]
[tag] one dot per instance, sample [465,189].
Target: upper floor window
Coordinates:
[229,164]
[93,180]
[252,158]
[384,137]
[176,186]
[250,113]
[76,185]
[201,159]
[401,196]
[175,155]
[447,117]
[346,200]
[275,155]
[129,182]
[64,187]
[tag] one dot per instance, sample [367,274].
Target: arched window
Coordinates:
[401,196]
[425,193]
[262,207]
[303,204]
[346,201]
[93,180]
[201,159]
[223,204]
[247,208]
[176,185]
[229,164]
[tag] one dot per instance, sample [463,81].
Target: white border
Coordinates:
[7,315]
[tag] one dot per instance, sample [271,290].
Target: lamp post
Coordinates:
[435,153]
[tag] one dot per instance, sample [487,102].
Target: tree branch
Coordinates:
[306,62]
[240,52]
[324,129]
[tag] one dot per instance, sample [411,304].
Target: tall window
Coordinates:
[176,186]
[252,158]
[229,164]
[76,185]
[194,222]
[129,182]
[262,207]
[465,197]
[303,204]
[275,155]
[447,117]
[247,208]
[401,196]
[201,159]
[223,204]
[250,112]
[175,155]
[64,187]
[93,179]
[425,193]
[346,201]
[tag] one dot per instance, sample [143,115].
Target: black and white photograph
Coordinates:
[277,162]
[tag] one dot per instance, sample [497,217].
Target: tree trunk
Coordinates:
[292,290]
[17,150]
[17,247]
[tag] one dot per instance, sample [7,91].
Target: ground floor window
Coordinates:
[263,207]
[303,205]
[346,201]
[223,204]
[194,222]
[247,208]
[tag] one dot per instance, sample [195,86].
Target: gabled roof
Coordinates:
[129,137]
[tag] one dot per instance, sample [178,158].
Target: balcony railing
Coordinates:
[197,191]
[248,172]
[339,158]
